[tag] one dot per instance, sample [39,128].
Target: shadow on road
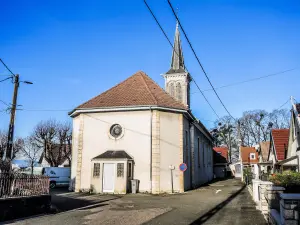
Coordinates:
[217,208]
[66,203]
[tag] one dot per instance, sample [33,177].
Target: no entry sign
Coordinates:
[182,167]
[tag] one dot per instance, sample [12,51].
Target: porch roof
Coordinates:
[282,162]
[110,154]
[266,163]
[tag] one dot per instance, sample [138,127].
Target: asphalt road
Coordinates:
[223,202]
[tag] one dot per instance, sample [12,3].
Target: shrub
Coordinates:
[286,179]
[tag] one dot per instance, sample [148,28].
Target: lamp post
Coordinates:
[10,135]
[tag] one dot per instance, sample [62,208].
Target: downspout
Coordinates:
[151,149]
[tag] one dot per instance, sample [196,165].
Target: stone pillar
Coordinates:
[271,192]
[263,204]
[255,189]
[155,152]
[289,206]
[79,154]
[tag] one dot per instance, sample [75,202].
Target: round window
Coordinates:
[116,130]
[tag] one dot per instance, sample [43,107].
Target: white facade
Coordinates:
[154,139]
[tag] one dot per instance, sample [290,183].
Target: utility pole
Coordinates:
[239,147]
[230,153]
[10,136]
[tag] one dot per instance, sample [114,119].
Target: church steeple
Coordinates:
[177,79]
[177,63]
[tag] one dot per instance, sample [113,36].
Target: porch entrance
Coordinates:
[108,180]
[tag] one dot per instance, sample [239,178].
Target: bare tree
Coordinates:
[54,139]
[255,127]
[17,145]
[31,151]
[225,135]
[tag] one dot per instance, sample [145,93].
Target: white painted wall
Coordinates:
[96,140]
[169,150]
[76,123]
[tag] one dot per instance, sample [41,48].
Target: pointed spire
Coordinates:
[177,63]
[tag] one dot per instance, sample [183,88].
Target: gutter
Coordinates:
[75,112]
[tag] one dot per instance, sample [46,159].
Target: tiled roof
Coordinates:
[245,153]
[137,90]
[264,148]
[281,139]
[114,155]
[222,150]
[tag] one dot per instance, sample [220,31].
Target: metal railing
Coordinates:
[22,185]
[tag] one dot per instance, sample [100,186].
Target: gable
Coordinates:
[245,152]
[280,141]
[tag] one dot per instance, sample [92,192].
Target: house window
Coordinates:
[120,169]
[199,151]
[252,155]
[96,172]
[129,170]
[220,153]
[186,146]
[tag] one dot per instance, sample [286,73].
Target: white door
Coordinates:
[108,177]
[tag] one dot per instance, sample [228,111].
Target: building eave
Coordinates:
[78,111]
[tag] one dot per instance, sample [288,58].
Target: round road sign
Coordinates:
[182,167]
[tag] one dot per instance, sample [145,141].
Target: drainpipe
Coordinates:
[151,149]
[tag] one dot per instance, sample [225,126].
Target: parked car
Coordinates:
[59,176]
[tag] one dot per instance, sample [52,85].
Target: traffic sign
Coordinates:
[182,167]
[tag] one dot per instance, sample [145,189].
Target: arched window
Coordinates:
[171,89]
[178,92]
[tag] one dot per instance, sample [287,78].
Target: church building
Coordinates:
[137,130]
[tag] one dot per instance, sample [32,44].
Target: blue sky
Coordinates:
[75,50]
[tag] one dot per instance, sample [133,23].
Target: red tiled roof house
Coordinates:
[220,162]
[278,146]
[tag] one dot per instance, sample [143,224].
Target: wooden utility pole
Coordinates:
[239,147]
[10,136]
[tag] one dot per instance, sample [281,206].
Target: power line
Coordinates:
[6,67]
[198,59]
[250,80]
[166,36]
[283,104]
[46,110]
[5,79]
[4,102]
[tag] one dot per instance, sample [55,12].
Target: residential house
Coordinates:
[263,151]
[293,150]
[221,165]
[61,154]
[278,148]
[137,130]
[249,158]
